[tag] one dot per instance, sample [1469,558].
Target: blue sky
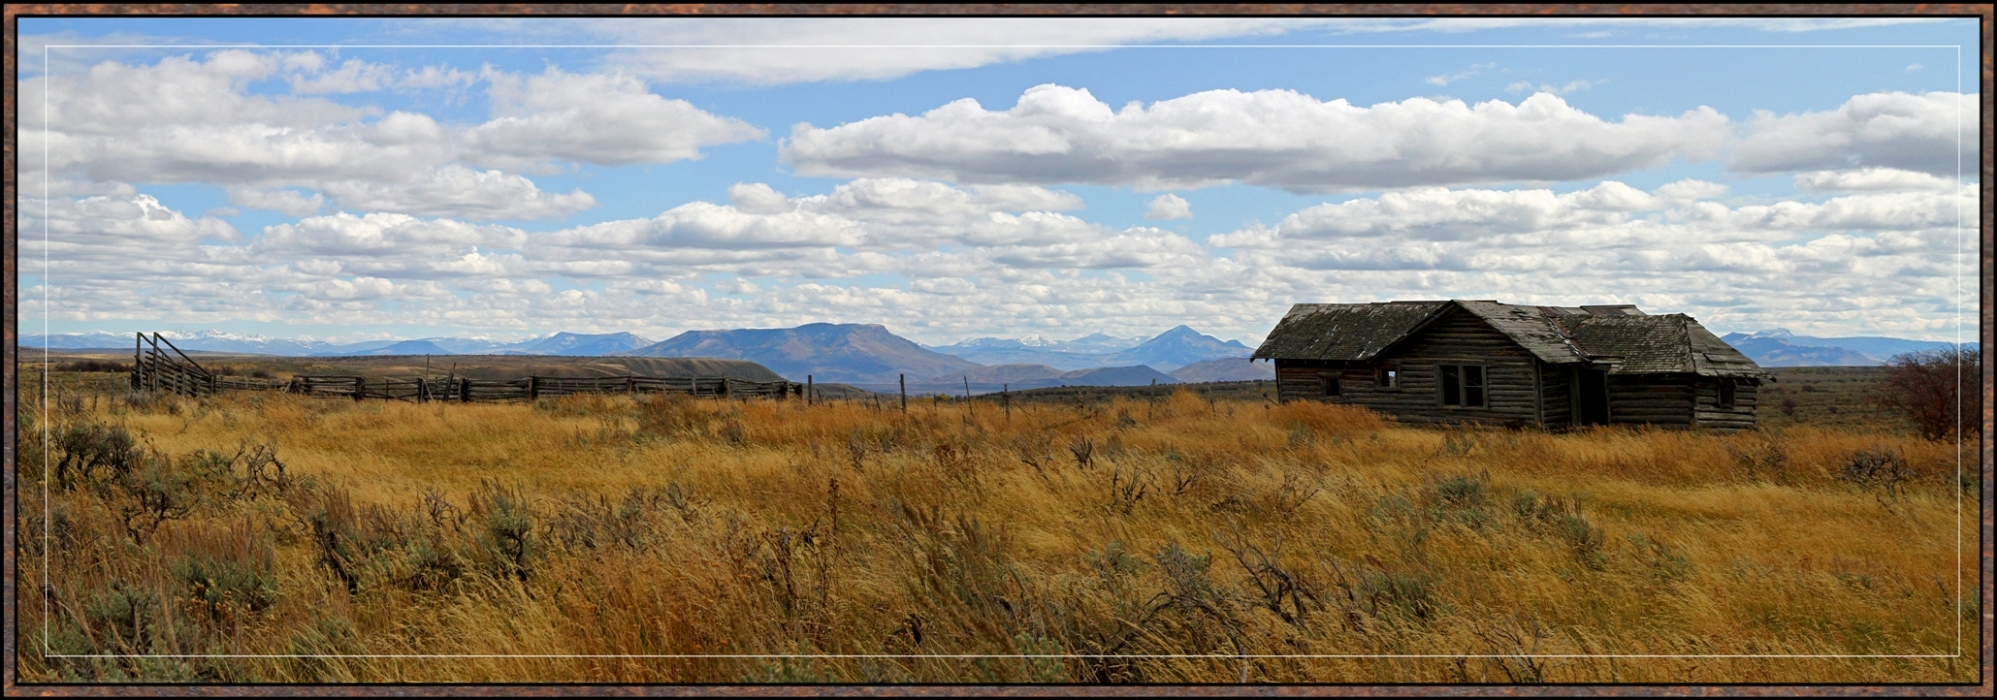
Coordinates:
[954,178]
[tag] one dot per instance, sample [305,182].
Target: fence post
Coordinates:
[903,378]
[1005,397]
[360,388]
[808,389]
[464,390]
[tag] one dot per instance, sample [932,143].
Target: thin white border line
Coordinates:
[1081,47]
[1002,656]
[47,616]
[48,600]
[1958,351]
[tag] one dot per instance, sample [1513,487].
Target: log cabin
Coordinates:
[1483,362]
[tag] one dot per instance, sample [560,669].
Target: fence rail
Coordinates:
[153,369]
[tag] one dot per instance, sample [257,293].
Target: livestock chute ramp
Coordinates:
[155,369]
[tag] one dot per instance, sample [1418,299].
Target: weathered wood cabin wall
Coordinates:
[1659,399]
[1556,396]
[1709,415]
[1458,338]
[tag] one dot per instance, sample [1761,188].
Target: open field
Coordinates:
[1177,538]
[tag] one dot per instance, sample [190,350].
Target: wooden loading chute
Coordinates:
[153,369]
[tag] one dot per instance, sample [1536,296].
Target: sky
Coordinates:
[365,178]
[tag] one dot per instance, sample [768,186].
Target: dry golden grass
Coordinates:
[611,540]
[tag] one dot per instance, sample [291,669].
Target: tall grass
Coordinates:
[1174,540]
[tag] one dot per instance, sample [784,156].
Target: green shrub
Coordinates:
[124,617]
[229,574]
[506,541]
[1408,596]
[228,588]
[150,496]
[92,453]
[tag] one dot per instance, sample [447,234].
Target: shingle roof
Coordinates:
[1344,331]
[1533,329]
[1641,344]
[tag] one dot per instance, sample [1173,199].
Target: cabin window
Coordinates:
[1462,385]
[1389,378]
[1328,384]
[1726,393]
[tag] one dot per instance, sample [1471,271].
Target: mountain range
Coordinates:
[845,353]
[869,354]
[1781,348]
[1037,376]
[1167,351]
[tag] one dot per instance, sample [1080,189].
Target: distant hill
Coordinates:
[1172,349]
[406,347]
[1179,347]
[517,366]
[1226,369]
[1139,375]
[999,374]
[583,345]
[1080,353]
[1780,348]
[984,379]
[1023,355]
[848,353]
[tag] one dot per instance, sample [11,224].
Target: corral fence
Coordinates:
[154,369]
[465,389]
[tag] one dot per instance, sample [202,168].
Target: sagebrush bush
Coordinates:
[93,453]
[507,542]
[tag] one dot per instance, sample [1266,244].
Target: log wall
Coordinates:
[1712,417]
[1556,396]
[1655,399]
[1459,338]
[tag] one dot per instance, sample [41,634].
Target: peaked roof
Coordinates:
[1344,331]
[1622,335]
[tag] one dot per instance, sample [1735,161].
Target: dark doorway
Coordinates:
[1592,403]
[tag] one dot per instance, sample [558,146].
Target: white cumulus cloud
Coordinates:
[1169,206]
[456,190]
[593,118]
[1274,138]
[1929,133]
[1870,179]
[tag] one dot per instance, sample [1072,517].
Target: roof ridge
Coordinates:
[1697,356]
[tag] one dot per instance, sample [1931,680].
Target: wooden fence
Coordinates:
[465,389]
[154,369]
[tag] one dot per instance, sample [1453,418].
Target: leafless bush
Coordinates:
[1939,390]
[93,366]
[1276,587]
[152,495]
[1515,643]
[1084,450]
[1127,487]
[1882,468]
